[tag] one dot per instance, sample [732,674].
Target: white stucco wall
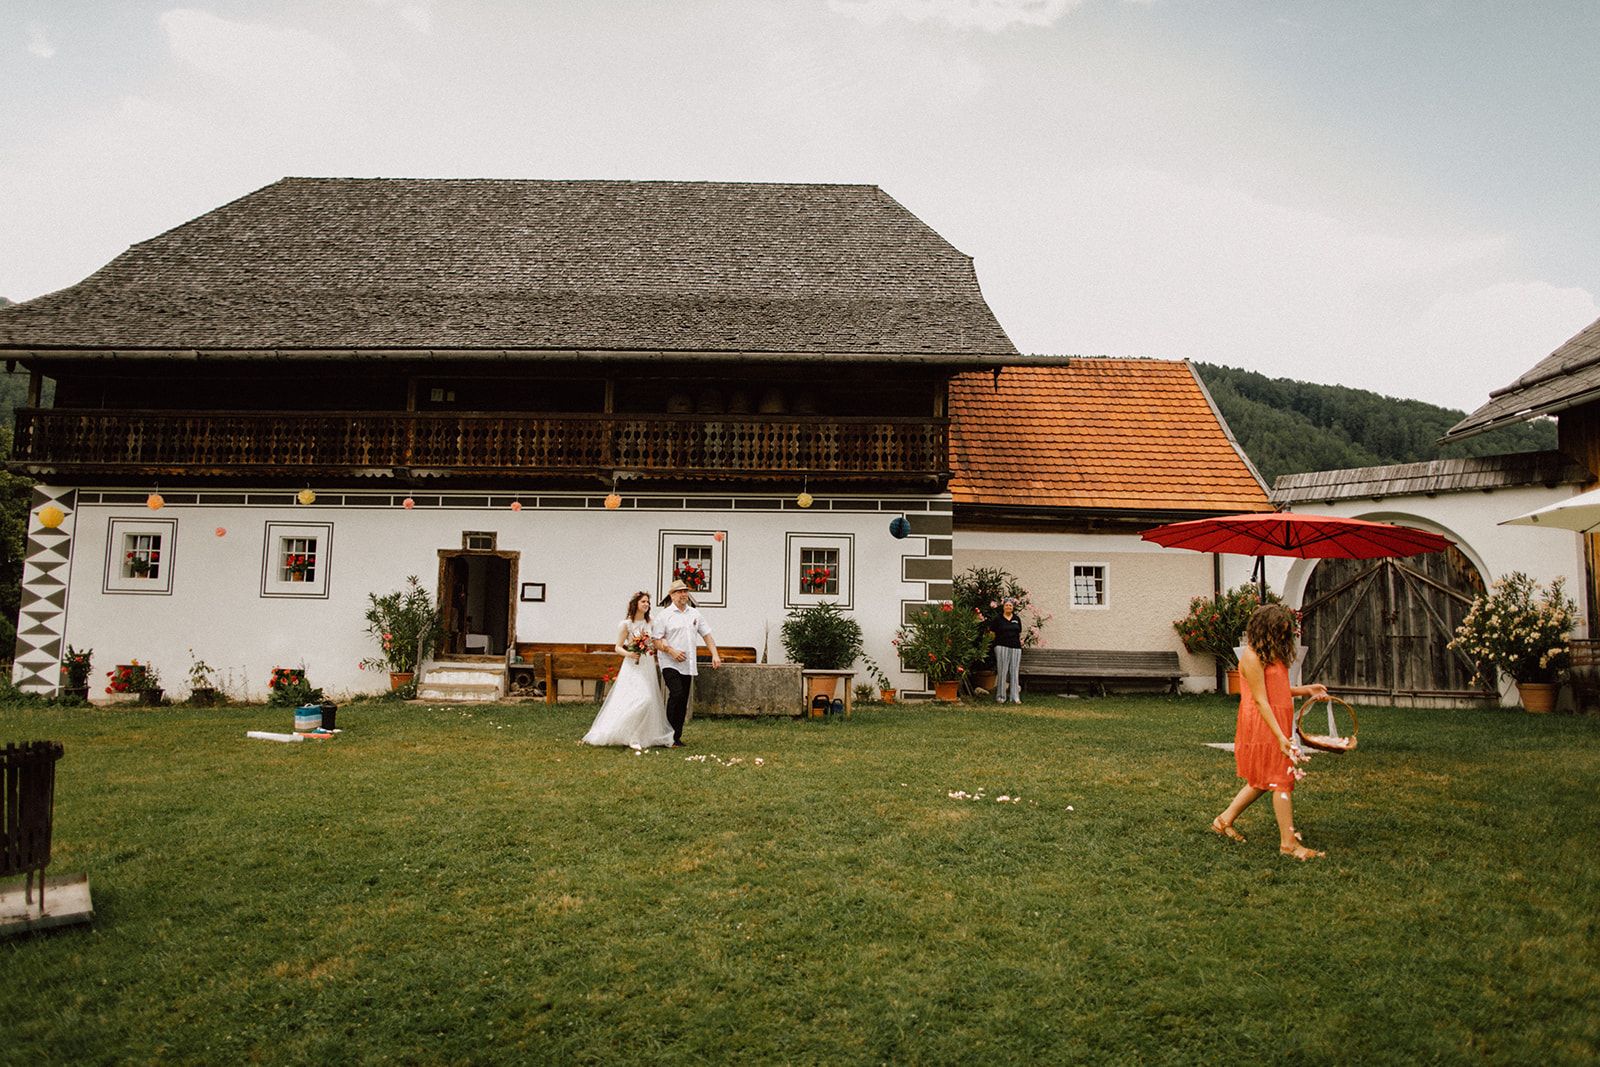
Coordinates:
[1148,587]
[588,559]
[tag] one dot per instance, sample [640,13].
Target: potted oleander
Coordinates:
[940,641]
[406,626]
[1518,628]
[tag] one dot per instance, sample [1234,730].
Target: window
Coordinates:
[295,559]
[1089,585]
[479,541]
[140,554]
[698,557]
[819,571]
[819,567]
[693,565]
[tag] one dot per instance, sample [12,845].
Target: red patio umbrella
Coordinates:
[1289,533]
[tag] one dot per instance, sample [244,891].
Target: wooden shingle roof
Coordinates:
[378,264]
[1430,477]
[1565,378]
[1100,434]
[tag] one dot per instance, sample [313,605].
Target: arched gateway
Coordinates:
[1381,628]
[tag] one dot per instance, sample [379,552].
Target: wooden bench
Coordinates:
[1098,668]
[552,661]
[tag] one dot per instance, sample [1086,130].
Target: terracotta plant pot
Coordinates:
[1538,698]
[1233,682]
[397,679]
[886,695]
[947,692]
[985,679]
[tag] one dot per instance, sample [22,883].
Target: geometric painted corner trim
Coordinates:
[46,565]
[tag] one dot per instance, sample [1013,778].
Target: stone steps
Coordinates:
[463,682]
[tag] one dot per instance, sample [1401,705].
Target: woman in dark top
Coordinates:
[1007,628]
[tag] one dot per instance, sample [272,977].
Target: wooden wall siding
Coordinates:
[223,442]
[1383,627]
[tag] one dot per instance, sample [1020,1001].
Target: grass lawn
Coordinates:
[441,884]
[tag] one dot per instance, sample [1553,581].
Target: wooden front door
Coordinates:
[1382,627]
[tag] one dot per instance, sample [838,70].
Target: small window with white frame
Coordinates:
[1089,589]
[140,554]
[819,567]
[296,557]
[699,559]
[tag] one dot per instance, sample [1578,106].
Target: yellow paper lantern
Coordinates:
[306,496]
[613,502]
[155,502]
[51,516]
[804,500]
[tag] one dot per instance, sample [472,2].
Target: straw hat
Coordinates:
[677,584]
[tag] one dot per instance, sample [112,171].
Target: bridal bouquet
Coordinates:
[639,643]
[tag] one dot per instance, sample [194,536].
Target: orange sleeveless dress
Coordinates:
[1255,749]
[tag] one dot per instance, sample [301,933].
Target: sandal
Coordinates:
[1225,829]
[1301,852]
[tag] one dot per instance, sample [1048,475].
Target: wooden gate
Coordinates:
[1382,627]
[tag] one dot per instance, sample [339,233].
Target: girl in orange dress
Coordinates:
[1262,748]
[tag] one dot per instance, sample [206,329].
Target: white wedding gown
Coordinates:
[634,713]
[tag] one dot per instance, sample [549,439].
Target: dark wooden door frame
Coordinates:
[447,619]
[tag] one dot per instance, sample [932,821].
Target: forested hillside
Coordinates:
[1286,426]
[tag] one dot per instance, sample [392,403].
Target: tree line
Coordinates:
[1290,427]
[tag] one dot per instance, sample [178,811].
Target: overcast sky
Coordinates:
[1398,195]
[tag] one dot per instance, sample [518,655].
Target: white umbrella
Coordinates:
[1580,513]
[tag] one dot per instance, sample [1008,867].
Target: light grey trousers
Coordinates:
[1006,663]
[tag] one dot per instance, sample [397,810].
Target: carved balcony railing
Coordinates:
[329,443]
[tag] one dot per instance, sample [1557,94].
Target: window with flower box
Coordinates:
[698,558]
[819,567]
[140,555]
[295,559]
[1089,588]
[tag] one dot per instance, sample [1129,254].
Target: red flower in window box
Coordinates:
[690,574]
[299,565]
[815,579]
[140,564]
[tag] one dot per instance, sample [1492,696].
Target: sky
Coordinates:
[1395,195]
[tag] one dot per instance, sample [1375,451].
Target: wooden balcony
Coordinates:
[331,444]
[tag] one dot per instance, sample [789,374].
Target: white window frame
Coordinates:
[795,543]
[119,533]
[273,584]
[670,541]
[1105,586]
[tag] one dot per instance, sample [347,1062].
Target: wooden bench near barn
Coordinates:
[1097,668]
[552,661]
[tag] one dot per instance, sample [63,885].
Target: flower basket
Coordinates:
[1334,740]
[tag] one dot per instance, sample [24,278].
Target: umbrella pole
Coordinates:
[1260,575]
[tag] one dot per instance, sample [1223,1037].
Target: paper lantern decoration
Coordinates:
[899,527]
[306,496]
[222,531]
[718,536]
[155,502]
[408,503]
[516,505]
[613,502]
[804,500]
[51,516]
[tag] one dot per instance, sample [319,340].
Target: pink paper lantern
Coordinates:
[408,503]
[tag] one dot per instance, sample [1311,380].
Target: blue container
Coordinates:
[307,717]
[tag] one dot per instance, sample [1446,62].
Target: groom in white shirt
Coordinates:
[675,631]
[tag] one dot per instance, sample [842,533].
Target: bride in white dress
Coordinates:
[634,713]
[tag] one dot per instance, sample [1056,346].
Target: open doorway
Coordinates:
[477,605]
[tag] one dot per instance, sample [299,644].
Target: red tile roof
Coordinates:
[1097,433]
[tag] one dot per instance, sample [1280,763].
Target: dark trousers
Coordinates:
[677,699]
